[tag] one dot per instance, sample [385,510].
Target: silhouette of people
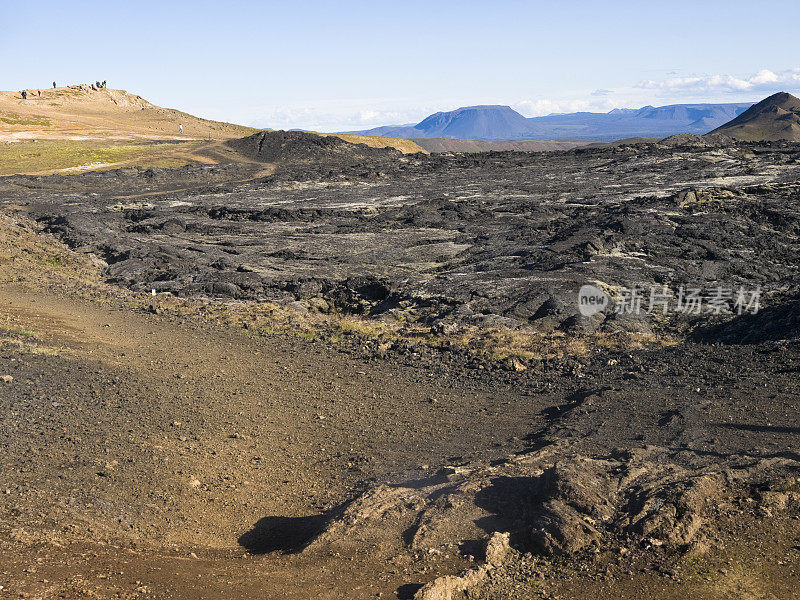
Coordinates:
[24,94]
[38,92]
[180,128]
[104,83]
[54,85]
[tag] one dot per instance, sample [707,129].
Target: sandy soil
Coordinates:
[175,438]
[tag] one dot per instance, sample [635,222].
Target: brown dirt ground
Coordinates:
[133,442]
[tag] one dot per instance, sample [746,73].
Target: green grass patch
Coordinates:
[307,335]
[17,331]
[699,569]
[15,119]
[51,261]
[35,156]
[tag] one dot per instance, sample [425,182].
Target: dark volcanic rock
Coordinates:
[774,323]
[495,239]
[283,146]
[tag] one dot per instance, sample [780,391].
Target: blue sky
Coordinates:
[352,64]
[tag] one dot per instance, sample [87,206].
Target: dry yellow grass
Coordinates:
[44,157]
[373,141]
[78,128]
[80,113]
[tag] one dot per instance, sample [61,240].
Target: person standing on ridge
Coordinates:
[24,94]
[54,85]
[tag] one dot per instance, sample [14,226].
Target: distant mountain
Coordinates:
[469,122]
[477,122]
[774,118]
[503,123]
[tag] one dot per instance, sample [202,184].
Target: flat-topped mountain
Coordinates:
[774,118]
[487,122]
[478,122]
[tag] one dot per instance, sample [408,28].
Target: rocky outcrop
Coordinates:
[550,502]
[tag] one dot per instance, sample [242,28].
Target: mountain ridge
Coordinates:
[500,123]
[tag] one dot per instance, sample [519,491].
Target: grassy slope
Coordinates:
[48,156]
[78,112]
[65,156]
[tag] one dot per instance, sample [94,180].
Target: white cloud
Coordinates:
[373,118]
[670,90]
[542,107]
[763,81]
[766,76]
[348,114]
[339,115]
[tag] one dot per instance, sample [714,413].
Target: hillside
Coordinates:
[377,141]
[500,123]
[81,128]
[774,118]
[79,111]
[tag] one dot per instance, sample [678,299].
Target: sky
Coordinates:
[349,65]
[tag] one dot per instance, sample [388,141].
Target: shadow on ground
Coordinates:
[407,590]
[283,534]
[510,500]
